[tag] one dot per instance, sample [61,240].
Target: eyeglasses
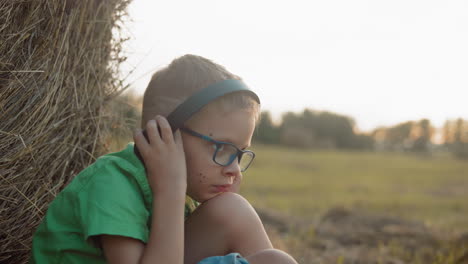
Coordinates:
[225,153]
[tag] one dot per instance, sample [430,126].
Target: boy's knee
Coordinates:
[227,198]
[229,207]
[271,256]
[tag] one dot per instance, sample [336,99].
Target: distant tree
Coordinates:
[458,132]
[398,136]
[363,142]
[407,136]
[456,137]
[321,130]
[293,132]
[295,136]
[266,132]
[460,144]
[448,133]
[421,136]
[341,128]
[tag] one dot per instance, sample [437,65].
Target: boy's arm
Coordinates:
[167,230]
[167,175]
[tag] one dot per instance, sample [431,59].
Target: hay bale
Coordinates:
[58,68]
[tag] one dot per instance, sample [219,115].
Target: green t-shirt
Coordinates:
[112,196]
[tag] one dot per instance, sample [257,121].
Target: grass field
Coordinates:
[431,189]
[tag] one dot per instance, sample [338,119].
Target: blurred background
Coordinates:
[389,75]
[362,148]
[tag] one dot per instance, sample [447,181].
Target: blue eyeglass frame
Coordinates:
[239,154]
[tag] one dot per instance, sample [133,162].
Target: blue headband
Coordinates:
[195,102]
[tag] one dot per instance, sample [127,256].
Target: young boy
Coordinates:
[123,209]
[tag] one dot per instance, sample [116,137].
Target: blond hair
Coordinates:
[185,76]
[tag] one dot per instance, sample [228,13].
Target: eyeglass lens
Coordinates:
[227,153]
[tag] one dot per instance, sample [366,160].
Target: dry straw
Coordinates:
[58,69]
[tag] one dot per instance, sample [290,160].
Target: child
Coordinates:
[123,209]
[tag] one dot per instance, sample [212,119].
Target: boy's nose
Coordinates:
[232,169]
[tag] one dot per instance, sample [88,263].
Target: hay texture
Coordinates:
[58,69]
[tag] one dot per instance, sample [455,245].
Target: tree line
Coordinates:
[312,129]
[456,137]
[327,130]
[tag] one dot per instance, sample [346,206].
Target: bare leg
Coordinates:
[225,224]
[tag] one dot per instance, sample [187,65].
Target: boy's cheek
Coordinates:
[236,184]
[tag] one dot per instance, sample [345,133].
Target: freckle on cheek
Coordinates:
[203,177]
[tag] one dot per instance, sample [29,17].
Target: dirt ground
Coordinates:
[344,236]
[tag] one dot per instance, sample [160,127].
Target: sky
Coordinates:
[379,62]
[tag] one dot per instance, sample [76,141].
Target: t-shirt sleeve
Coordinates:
[111,203]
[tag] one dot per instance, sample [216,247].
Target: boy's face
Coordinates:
[204,176]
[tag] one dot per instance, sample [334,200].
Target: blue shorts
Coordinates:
[233,258]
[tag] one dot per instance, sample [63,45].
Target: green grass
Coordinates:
[431,189]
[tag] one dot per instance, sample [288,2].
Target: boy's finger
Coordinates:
[166,131]
[178,137]
[153,133]
[140,142]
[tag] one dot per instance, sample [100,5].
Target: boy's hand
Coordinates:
[164,157]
